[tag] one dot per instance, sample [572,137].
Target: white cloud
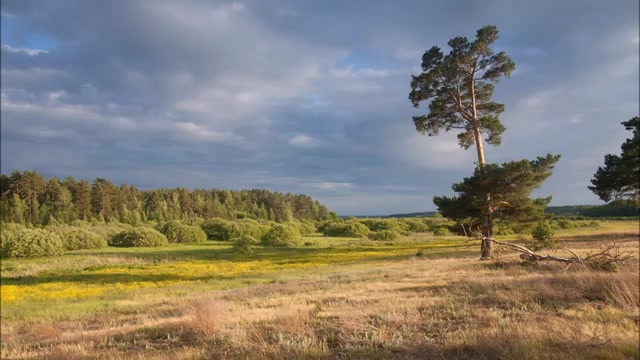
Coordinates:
[304,141]
[194,132]
[30,52]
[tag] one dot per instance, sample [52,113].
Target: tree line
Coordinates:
[28,198]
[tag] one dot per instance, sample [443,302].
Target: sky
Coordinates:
[304,96]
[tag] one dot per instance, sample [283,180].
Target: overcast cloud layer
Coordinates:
[304,96]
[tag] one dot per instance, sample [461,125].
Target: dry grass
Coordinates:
[451,308]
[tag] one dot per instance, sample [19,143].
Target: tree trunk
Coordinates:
[487,228]
[486,247]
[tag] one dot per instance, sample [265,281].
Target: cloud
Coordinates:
[304,141]
[298,96]
[30,52]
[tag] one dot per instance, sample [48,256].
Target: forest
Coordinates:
[27,198]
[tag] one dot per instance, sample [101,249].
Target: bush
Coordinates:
[566,224]
[305,228]
[138,237]
[345,229]
[244,245]
[107,231]
[385,224]
[282,236]
[248,227]
[177,232]
[75,238]
[542,237]
[415,225]
[385,235]
[220,229]
[20,242]
[441,231]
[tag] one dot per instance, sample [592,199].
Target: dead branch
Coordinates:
[525,253]
[611,255]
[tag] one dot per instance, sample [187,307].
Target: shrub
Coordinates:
[385,235]
[220,229]
[29,243]
[566,224]
[244,245]
[415,225]
[542,237]
[138,237]
[177,232]
[345,229]
[248,227]
[75,238]
[385,224]
[305,227]
[282,236]
[107,231]
[420,253]
[441,231]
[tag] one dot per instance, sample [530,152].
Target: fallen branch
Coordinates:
[525,253]
[529,255]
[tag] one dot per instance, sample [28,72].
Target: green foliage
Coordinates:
[282,236]
[27,198]
[77,238]
[139,237]
[21,242]
[352,228]
[620,176]
[441,231]
[420,253]
[542,237]
[220,229]
[386,224]
[510,185]
[244,245]
[384,235]
[177,232]
[454,82]
[306,228]
[415,225]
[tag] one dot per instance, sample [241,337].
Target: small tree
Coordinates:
[510,184]
[620,176]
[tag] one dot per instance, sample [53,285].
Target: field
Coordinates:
[337,298]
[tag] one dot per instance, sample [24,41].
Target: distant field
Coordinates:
[337,298]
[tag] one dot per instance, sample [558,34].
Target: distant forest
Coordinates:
[619,208]
[28,198]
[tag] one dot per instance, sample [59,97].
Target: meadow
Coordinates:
[421,296]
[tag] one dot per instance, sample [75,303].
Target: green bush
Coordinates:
[345,229]
[566,224]
[542,237]
[384,235]
[305,228]
[138,237]
[442,230]
[244,245]
[20,242]
[107,231]
[177,232]
[76,238]
[282,236]
[415,225]
[385,224]
[249,227]
[220,229]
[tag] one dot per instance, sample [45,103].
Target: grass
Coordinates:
[340,298]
